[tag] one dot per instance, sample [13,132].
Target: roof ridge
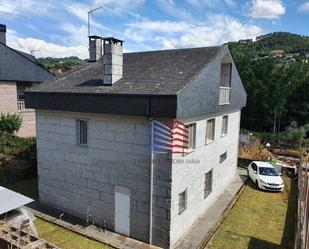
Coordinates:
[174,49]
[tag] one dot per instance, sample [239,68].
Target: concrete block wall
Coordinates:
[81,179]
[27,128]
[191,176]
[8,96]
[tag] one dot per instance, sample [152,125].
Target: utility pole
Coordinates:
[89,16]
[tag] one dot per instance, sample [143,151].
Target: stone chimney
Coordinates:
[3,33]
[95,48]
[112,60]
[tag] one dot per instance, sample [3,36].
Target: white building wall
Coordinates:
[192,176]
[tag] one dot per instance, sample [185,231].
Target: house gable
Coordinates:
[15,66]
[201,95]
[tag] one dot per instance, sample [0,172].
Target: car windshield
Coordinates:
[267,171]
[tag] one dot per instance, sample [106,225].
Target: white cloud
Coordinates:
[212,3]
[46,48]
[17,7]
[230,3]
[304,7]
[171,8]
[266,9]
[208,3]
[160,26]
[217,30]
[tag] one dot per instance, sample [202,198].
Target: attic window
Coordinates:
[225,80]
[226,73]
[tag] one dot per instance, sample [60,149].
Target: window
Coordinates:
[210,131]
[223,157]
[208,184]
[82,131]
[224,125]
[182,201]
[226,72]
[191,135]
[254,167]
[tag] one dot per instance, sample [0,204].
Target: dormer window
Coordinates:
[225,81]
[226,73]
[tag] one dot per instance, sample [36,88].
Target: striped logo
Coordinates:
[169,140]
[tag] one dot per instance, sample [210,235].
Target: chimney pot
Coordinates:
[95,48]
[3,33]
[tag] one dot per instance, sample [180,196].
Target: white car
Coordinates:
[265,176]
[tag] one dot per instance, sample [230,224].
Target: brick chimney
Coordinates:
[3,33]
[95,48]
[112,60]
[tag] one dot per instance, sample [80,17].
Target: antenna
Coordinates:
[89,15]
[34,50]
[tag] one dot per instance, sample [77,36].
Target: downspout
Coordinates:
[151,171]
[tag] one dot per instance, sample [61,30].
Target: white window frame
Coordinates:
[191,136]
[210,140]
[225,123]
[223,157]
[208,186]
[79,132]
[182,204]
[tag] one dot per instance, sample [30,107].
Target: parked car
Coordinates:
[265,176]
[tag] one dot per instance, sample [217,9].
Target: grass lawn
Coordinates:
[259,220]
[64,238]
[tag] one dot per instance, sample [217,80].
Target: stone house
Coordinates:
[94,153]
[18,71]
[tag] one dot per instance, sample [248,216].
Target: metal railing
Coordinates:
[224,95]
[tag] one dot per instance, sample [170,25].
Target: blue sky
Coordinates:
[59,28]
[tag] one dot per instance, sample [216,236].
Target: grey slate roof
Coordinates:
[170,83]
[19,66]
[148,73]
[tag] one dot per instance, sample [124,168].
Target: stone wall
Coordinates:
[81,179]
[192,176]
[8,96]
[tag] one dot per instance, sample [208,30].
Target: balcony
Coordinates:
[21,106]
[224,95]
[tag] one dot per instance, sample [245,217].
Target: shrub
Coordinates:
[18,147]
[10,122]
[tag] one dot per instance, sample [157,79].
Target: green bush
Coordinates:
[10,122]
[18,147]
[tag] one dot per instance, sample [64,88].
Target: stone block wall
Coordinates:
[8,96]
[81,180]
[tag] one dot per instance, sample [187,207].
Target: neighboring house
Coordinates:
[18,71]
[93,137]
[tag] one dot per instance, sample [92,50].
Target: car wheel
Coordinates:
[257,184]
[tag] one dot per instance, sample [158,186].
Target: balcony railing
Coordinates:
[224,95]
[21,106]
